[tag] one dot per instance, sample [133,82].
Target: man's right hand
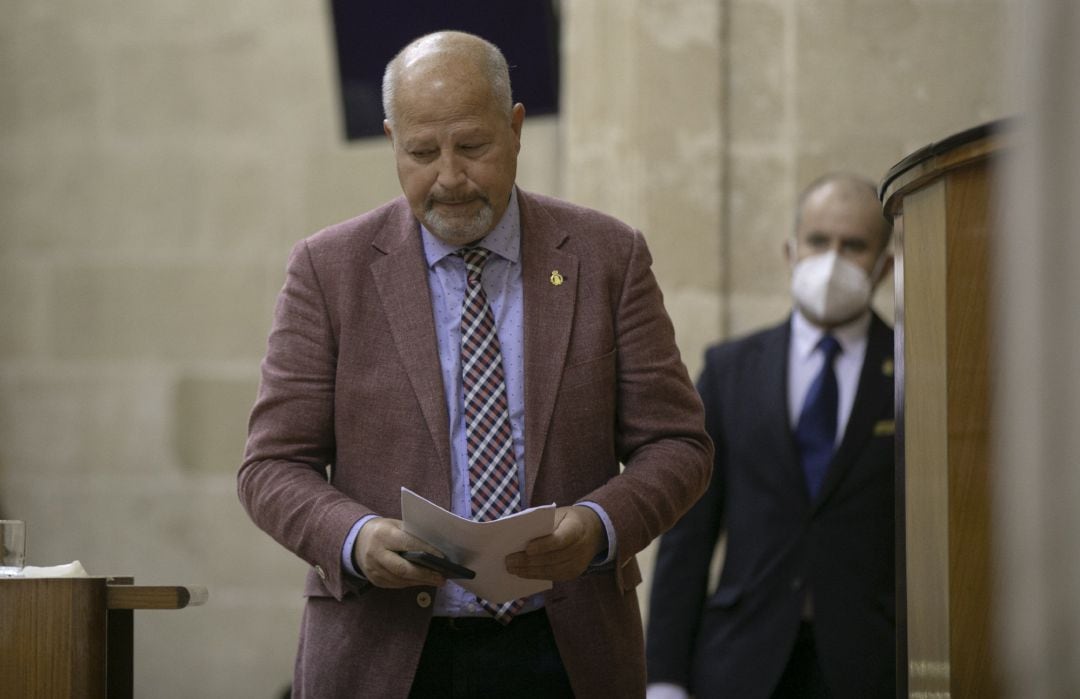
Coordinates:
[375,555]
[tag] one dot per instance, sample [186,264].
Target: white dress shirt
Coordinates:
[804,363]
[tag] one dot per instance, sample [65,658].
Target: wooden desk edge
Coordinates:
[155,596]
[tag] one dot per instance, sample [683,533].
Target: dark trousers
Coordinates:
[802,678]
[483,658]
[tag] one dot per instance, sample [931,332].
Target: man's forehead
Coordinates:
[453,129]
[840,217]
[444,88]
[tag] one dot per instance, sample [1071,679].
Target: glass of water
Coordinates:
[12,547]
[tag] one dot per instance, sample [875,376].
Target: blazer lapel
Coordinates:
[874,394]
[549,278]
[401,279]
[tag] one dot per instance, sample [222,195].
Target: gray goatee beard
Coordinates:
[460,232]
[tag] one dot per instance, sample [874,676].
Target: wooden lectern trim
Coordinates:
[154,596]
[930,162]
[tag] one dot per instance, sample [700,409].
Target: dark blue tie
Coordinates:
[815,435]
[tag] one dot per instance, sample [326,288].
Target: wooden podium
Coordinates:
[73,637]
[939,199]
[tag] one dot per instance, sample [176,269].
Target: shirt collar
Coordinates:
[805,336]
[504,239]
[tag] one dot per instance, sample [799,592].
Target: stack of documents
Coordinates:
[482,546]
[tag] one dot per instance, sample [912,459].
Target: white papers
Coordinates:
[482,546]
[66,570]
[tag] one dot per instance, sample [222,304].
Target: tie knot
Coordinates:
[475,259]
[829,347]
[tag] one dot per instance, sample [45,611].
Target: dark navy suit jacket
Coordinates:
[734,641]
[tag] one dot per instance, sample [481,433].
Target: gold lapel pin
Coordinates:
[884,428]
[556,278]
[887,367]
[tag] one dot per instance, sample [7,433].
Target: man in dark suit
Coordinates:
[489,349]
[801,415]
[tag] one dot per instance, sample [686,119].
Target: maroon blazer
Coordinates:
[351,407]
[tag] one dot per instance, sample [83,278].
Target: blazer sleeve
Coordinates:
[680,578]
[283,481]
[660,435]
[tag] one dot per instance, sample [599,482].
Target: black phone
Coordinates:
[443,566]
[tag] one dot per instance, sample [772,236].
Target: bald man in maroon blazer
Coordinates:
[353,404]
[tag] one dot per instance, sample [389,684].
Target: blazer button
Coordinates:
[796,584]
[424,600]
[320,572]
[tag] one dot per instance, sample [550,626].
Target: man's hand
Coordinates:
[566,552]
[375,554]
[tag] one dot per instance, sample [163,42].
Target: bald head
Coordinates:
[854,193]
[838,215]
[447,60]
[455,134]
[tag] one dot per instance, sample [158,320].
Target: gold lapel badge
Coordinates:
[887,367]
[556,278]
[884,428]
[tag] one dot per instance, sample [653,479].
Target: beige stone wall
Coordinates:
[642,140]
[157,160]
[838,84]
[700,121]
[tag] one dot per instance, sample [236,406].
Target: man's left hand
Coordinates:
[566,552]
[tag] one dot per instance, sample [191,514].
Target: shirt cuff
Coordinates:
[665,690]
[608,554]
[350,542]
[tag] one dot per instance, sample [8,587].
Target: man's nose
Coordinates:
[451,170]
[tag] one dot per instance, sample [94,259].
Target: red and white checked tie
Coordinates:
[493,480]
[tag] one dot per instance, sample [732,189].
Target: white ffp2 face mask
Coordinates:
[829,289]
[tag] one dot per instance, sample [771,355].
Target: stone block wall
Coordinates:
[157,161]
[699,121]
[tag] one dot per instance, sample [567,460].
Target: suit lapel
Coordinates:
[871,400]
[549,278]
[401,279]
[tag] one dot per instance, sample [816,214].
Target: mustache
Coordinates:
[434,199]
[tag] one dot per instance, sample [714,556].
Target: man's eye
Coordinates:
[422,154]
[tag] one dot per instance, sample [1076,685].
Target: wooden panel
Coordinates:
[73,637]
[924,416]
[52,637]
[942,195]
[967,303]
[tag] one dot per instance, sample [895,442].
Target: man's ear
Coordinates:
[517,118]
[886,267]
[387,130]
